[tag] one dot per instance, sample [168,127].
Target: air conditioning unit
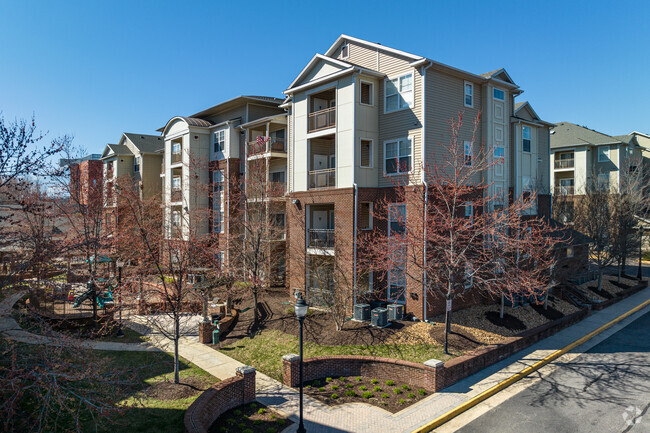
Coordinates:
[395,312]
[379,317]
[362,312]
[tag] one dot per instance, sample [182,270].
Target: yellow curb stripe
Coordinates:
[523,373]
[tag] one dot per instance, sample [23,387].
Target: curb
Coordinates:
[523,373]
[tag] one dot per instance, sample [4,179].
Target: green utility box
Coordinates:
[215,333]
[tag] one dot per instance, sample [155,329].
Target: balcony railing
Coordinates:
[277,189]
[322,119]
[176,157]
[322,178]
[321,238]
[177,195]
[274,145]
[564,190]
[564,163]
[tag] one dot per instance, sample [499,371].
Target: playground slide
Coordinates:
[79,299]
[103,299]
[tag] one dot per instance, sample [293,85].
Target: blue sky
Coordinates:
[96,69]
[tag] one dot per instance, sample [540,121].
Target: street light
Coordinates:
[120,265]
[301,312]
[640,273]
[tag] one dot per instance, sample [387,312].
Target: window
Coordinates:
[469,275]
[569,252]
[366,153]
[399,93]
[366,93]
[219,141]
[397,156]
[176,219]
[603,181]
[498,94]
[603,154]
[469,153]
[278,176]
[219,257]
[345,51]
[176,147]
[136,164]
[366,281]
[499,152]
[525,138]
[397,278]
[365,216]
[396,219]
[469,94]
[176,183]
[527,183]
[217,201]
[469,210]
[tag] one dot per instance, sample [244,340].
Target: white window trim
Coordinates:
[471,153]
[342,47]
[469,206]
[500,89]
[523,128]
[180,147]
[137,162]
[372,152]
[399,173]
[605,154]
[390,213]
[220,154]
[412,74]
[469,271]
[465,94]
[372,93]
[371,278]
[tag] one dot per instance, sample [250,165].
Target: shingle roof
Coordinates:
[624,138]
[118,149]
[146,143]
[570,134]
[518,105]
[566,235]
[195,121]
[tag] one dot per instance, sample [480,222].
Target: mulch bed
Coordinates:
[386,394]
[602,293]
[249,418]
[550,313]
[189,387]
[508,321]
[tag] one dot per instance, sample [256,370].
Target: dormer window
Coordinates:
[345,51]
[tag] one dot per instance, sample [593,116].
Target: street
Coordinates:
[605,389]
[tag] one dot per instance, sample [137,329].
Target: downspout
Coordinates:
[426,191]
[356,192]
[228,186]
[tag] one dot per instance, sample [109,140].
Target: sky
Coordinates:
[95,69]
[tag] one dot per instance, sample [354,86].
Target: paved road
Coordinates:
[606,389]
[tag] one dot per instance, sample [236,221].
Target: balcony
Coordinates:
[275,145]
[321,179]
[322,119]
[564,190]
[176,157]
[564,163]
[177,195]
[321,238]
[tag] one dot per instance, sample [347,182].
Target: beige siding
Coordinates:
[322,69]
[150,169]
[256,111]
[232,114]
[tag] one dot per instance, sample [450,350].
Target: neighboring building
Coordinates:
[583,156]
[364,115]
[85,178]
[204,159]
[136,159]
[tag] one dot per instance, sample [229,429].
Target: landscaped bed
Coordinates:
[250,418]
[386,394]
[610,288]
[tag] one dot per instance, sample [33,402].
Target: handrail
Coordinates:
[321,238]
[564,163]
[322,119]
[325,178]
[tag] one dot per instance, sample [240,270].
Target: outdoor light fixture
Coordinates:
[301,312]
[120,265]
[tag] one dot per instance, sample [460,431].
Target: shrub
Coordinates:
[349,385]
[257,422]
[334,396]
[358,378]
[342,379]
[252,405]
[328,380]
[322,388]
[262,411]
[376,389]
[241,426]
[281,422]
[316,383]
[308,386]
[402,401]
[223,428]
[373,381]
[390,382]
[411,395]
[384,395]
[351,393]
[363,387]
[270,430]
[397,390]
[230,421]
[273,416]
[366,394]
[405,387]
[335,387]
[247,431]
[245,416]
[421,392]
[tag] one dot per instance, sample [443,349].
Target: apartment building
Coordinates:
[363,116]
[205,159]
[135,160]
[583,157]
[85,178]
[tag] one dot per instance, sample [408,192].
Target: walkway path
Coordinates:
[361,417]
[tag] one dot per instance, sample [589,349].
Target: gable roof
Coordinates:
[499,74]
[312,63]
[341,38]
[525,105]
[145,143]
[115,149]
[570,134]
[266,100]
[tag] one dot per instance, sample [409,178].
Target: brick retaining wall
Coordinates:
[219,398]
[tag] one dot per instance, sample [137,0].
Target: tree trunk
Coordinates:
[620,270]
[177,336]
[447,323]
[546,300]
[255,306]
[600,279]
[624,260]
[503,302]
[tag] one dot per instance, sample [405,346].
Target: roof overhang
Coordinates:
[341,38]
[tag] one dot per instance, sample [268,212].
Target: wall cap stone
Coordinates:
[291,357]
[434,363]
[246,369]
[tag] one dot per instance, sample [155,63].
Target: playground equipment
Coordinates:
[103,298]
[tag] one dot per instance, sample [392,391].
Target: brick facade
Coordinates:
[219,398]
[86,180]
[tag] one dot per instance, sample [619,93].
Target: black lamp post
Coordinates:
[301,312]
[119,265]
[640,273]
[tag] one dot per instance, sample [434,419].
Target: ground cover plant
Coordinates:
[387,394]
[250,418]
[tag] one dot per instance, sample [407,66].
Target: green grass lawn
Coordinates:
[265,351]
[150,415]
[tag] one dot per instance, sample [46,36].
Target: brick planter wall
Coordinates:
[629,292]
[219,398]
[412,373]
[225,325]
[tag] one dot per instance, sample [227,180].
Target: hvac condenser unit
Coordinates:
[379,317]
[395,312]
[362,312]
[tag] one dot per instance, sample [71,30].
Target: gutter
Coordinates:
[426,189]
[356,190]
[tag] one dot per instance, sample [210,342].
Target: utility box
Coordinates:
[379,317]
[395,312]
[215,336]
[362,312]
